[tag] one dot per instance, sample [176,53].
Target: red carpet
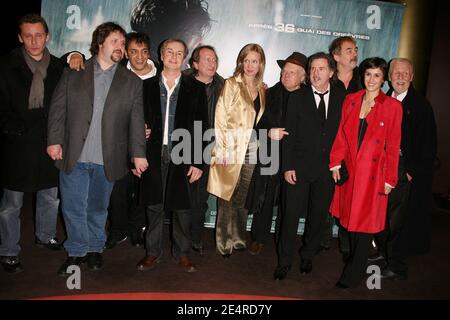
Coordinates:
[163,296]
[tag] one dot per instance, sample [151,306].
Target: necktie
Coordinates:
[321,108]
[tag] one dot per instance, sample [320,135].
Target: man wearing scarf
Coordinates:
[29,75]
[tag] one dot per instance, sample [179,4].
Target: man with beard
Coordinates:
[344,51]
[96,123]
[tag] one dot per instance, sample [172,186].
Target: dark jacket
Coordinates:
[191,106]
[213,90]
[123,132]
[25,165]
[419,149]
[307,147]
[266,186]
[419,141]
[355,83]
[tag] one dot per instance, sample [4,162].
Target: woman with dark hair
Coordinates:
[367,145]
[239,109]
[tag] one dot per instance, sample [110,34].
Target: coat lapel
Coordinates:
[183,93]
[116,84]
[245,95]
[262,101]
[88,80]
[351,124]
[333,108]
[311,106]
[374,119]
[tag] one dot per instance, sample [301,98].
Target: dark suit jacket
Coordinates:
[123,129]
[307,147]
[25,165]
[191,106]
[419,141]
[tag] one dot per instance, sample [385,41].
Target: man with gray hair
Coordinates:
[173,103]
[408,223]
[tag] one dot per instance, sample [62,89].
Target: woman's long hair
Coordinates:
[240,61]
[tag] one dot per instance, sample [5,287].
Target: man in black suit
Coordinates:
[173,103]
[95,125]
[409,207]
[313,118]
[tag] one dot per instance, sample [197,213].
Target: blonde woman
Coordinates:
[239,109]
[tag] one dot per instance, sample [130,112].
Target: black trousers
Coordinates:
[199,197]
[397,214]
[344,239]
[310,199]
[125,216]
[356,267]
[181,221]
[263,213]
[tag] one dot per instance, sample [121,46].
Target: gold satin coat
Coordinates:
[234,121]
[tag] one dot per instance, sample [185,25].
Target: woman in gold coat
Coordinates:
[239,109]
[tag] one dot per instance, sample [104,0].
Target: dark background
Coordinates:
[436,45]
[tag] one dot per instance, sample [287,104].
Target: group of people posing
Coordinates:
[105,140]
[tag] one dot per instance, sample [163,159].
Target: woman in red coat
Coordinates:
[368,140]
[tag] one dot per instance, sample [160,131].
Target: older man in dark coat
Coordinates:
[28,77]
[264,191]
[173,103]
[408,225]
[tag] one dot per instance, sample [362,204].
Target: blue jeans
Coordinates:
[47,203]
[85,196]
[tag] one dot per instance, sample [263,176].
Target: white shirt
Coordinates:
[326,98]
[152,72]
[401,96]
[166,118]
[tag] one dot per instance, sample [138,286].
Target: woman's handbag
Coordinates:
[343,173]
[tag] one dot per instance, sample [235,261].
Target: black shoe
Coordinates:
[197,247]
[305,266]
[340,285]
[94,261]
[70,261]
[11,264]
[52,244]
[111,242]
[137,239]
[375,257]
[281,272]
[323,247]
[388,274]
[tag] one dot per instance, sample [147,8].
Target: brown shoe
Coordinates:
[147,263]
[187,264]
[255,248]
